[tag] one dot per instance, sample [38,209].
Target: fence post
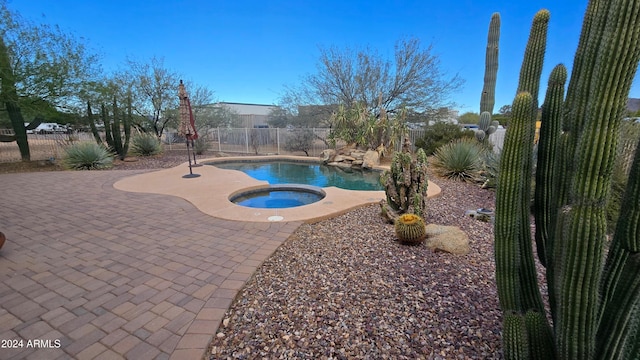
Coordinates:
[219,140]
[246,139]
[278,140]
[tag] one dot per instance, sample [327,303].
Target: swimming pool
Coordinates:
[279,196]
[315,174]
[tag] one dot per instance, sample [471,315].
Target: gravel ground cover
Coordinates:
[345,289]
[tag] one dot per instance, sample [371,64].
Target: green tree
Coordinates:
[47,69]
[215,115]
[153,88]
[469,118]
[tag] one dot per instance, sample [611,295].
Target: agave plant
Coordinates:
[459,160]
[87,156]
[146,145]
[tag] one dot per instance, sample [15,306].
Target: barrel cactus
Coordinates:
[410,229]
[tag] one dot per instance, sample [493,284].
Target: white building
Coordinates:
[252,115]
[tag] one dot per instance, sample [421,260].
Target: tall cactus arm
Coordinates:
[530,81]
[488,98]
[107,126]
[34,123]
[545,208]
[575,105]
[514,337]
[584,223]
[621,279]
[509,206]
[92,125]
[115,130]
[619,323]
[128,119]
[540,336]
[547,176]
[7,138]
[9,98]
[534,56]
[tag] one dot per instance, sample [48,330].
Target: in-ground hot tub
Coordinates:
[278,196]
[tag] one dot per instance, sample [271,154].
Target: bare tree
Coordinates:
[412,79]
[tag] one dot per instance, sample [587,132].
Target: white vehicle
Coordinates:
[50,128]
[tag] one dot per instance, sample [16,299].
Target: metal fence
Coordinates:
[254,141]
[41,146]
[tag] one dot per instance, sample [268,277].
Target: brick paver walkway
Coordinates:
[111,274]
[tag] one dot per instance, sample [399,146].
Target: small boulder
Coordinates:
[339,158]
[447,238]
[358,154]
[371,159]
[344,166]
[327,155]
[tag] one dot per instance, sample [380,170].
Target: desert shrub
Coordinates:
[459,160]
[146,145]
[439,134]
[200,145]
[299,140]
[87,156]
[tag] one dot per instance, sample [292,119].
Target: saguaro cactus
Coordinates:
[487,127]
[113,132]
[488,98]
[595,305]
[9,98]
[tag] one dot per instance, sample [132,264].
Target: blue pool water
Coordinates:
[271,198]
[286,172]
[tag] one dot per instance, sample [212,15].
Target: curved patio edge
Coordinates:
[211,190]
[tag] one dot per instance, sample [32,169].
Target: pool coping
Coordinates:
[211,190]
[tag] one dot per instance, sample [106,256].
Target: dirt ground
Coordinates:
[169,158]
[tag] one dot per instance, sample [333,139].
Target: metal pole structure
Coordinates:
[193,151]
[190,174]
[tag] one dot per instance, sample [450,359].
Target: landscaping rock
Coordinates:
[327,155]
[358,154]
[447,238]
[346,167]
[371,159]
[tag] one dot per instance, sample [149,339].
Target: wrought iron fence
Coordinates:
[256,141]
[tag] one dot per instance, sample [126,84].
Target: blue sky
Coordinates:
[247,51]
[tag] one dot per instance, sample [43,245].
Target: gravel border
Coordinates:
[344,288]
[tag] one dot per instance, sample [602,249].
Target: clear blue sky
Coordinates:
[246,51]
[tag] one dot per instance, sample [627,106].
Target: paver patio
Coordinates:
[112,274]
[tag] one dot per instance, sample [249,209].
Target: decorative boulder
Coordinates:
[371,159]
[339,158]
[327,155]
[448,239]
[358,154]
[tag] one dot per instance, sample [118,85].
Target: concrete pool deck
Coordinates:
[210,192]
[110,274]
